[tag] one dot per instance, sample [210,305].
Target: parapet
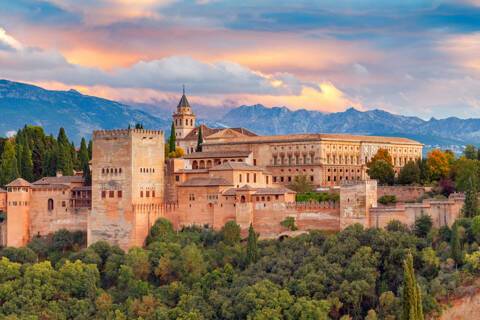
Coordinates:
[125,133]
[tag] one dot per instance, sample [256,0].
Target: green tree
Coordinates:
[231,233]
[466,172]
[456,252]
[470,206]
[90,149]
[27,163]
[289,223]
[172,139]
[301,184]
[423,225]
[382,171]
[252,249]
[412,300]
[64,154]
[409,174]
[84,160]
[199,140]
[470,152]
[8,164]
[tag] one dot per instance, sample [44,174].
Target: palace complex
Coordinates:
[237,176]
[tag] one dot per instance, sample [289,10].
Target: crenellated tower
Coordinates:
[183,118]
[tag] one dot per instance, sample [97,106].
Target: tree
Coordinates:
[455,249]
[438,164]
[470,152]
[138,125]
[409,174]
[200,140]
[412,300]
[231,233]
[64,154]
[423,225]
[466,172]
[382,171]
[171,140]
[289,223]
[470,206]
[84,160]
[301,184]
[90,149]
[382,154]
[252,249]
[27,163]
[8,164]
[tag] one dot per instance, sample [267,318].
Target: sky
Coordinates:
[408,57]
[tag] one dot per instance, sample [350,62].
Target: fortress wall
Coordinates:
[402,193]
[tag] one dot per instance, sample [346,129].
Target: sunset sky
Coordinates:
[413,57]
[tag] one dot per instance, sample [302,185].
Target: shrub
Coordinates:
[387,199]
[289,223]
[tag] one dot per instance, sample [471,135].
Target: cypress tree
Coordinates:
[27,164]
[252,249]
[412,300]
[64,154]
[90,149]
[8,164]
[470,206]
[83,159]
[200,140]
[455,248]
[172,139]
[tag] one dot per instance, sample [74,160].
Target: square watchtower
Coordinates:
[127,185]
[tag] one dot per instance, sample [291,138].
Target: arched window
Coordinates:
[50,204]
[195,165]
[242,199]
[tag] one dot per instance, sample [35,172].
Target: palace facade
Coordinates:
[237,176]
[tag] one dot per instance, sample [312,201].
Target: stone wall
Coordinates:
[402,193]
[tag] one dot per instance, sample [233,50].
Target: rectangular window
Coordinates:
[254,178]
[147,194]
[119,193]
[248,177]
[254,162]
[111,194]
[104,194]
[153,193]
[177,178]
[141,194]
[64,204]
[266,178]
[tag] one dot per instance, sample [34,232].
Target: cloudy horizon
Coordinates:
[410,57]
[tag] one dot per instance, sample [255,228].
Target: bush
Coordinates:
[316,196]
[289,223]
[387,199]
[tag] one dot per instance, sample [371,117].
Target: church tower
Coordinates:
[183,118]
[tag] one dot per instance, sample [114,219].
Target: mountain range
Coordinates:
[22,104]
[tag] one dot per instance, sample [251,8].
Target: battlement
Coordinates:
[125,133]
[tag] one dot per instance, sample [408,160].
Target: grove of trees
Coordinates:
[198,273]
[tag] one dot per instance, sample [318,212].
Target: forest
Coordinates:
[198,273]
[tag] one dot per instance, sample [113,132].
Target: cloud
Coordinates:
[8,42]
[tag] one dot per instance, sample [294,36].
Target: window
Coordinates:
[104,194]
[147,194]
[177,178]
[248,177]
[141,194]
[119,193]
[254,178]
[240,177]
[153,193]
[266,178]
[49,204]
[111,194]
[276,197]
[64,204]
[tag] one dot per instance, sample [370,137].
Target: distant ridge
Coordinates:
[80,114]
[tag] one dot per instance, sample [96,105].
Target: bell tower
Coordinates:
[183,118]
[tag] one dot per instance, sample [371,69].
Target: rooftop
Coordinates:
[258,191]
[2,190]
[205,182]
[19,182]
[236,166]
[207,132]
[217,154]
[312,137]
[59,180]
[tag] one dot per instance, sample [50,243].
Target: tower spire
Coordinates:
[183,89]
